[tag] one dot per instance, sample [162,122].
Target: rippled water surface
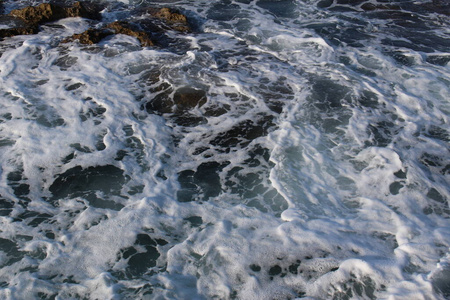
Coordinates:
[315,163]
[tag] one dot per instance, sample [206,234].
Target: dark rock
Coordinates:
[170,15]
[94,36]
[188,120]
[160,104]
[26,20]
[40,14]
[202,183]
[183,100]
[126,28]
[47,12]
[90,36]
[369,6]
[187,98]
[172,18]
[83,10]
[324,3]
[16,26]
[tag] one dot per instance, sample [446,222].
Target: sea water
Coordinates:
[318,168]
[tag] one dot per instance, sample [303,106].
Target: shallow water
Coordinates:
[317,168]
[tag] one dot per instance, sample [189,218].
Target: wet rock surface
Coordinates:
[187,98]
[243,133]
[127,29]
[40,14]
[47,12]
[15,26]
[182,100]
[158,20]
[169,19]
[26,21]
[90,36]
[170,15]
[94,36]
[149,30]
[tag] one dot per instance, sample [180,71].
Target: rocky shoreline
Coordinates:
[152,27]
[149,30]
[27,20]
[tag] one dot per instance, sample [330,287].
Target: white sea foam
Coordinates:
[317,168]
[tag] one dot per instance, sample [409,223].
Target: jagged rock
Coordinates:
[93,36]
[90,36]
[170,18]
[176,21]
[15,26]
[83,10]
[186,98]
[125,28]
[47,12]
[26,20]
[170,15]
[40,14]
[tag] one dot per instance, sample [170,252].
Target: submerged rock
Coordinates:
[187,98]
[243,133]
[183,100]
